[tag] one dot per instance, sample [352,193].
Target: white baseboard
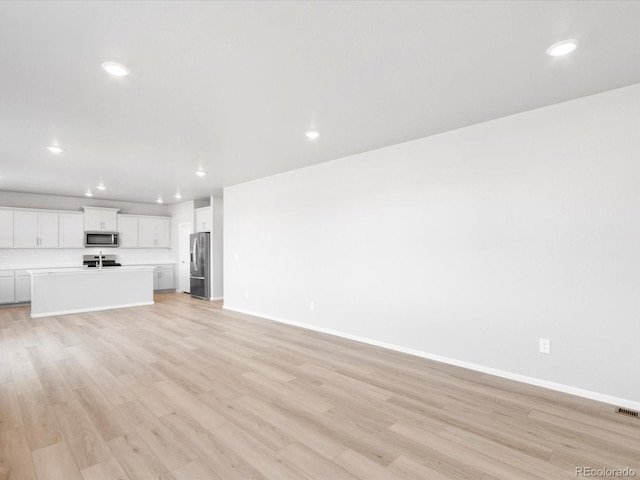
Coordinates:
[93,309]
[216,298]
[559,387]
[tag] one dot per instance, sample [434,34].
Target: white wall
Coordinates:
[469,245]
[217,259]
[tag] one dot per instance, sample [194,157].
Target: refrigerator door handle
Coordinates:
[194,254]
[198,278]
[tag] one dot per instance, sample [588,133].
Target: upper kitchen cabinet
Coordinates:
[99,219]
[71,230]
[204,219]
[128,229]
[154,232]
[163,233]
[33,229]
[6,228]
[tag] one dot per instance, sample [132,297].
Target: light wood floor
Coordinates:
[184,390]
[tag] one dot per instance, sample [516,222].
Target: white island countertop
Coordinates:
[89,270]
[60,291]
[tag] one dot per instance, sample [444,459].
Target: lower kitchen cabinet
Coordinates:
[15,287]
[7,290]
[22,287]
[164,278]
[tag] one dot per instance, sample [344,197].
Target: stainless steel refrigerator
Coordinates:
[200,265]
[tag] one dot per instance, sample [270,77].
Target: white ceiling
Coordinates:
[231,87]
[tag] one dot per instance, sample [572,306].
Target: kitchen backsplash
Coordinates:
[13,258]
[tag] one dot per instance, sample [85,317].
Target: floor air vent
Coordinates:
[626,411]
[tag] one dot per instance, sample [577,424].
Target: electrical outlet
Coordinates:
[312,305]
[544,345]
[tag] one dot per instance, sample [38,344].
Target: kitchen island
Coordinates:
[59,291]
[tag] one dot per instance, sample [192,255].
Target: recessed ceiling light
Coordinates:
[562,48]
[312,134]
[200,173]
[177,195]
[159,200]
[101,187]
[115,69]
[88,194]
[55,149]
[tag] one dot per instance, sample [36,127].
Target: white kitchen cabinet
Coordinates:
[22,286]
[204,219]
[7,293]
[154,232]
[6,228]
[32,229]
[48,229]
[164,278]
[25,230]
[128,229]
[146,232]
[163,232]
[99,219]
[71,230]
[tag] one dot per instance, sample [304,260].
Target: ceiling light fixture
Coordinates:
[562,48]
[88,194]
[200,173]
[101,187]
[312,134]
[178,196]
[159,200]
[115,69]
[55,149]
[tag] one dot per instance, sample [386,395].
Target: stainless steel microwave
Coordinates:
[101,239]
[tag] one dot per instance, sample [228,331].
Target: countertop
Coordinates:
[67,267]
[89,270]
